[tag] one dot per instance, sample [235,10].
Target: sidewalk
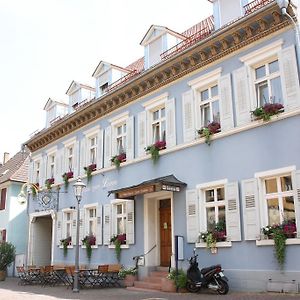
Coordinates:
[10,290]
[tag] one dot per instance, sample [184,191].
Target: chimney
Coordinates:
[5,157]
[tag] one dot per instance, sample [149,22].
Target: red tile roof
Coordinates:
[137,65]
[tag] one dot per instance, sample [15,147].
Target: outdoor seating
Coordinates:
[23,276]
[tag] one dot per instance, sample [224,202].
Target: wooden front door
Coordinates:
[165,232]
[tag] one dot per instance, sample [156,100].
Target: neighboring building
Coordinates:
[13,214]
[246,179]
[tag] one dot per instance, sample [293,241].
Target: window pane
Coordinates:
[276,90]
[221,214]
[286,183]
[288,208]
[221,194]
[119,130]
[273,66]
[124,128]
[119,209]
[155,115]
[121,225]
[68,216]
[68,233]
[163,131]
[211,218]
[91,213]
[216,111]
[260,72]
[155,132]
[262,93]
[162,113]
[273,211]
[204,95]
[214,91]
[205,112]
[271,186]
[209,195]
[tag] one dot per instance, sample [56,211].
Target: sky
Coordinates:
[45,44]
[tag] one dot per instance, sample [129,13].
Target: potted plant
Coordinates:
[88,242]
[154,149]
[129,275]
[49,183]
[267,111]
[66,176]
[65,243]
[209,130]
[174,280]
[7,256]
[118,240]
[118,159]
[89,169]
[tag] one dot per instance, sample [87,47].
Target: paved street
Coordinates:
[9,290]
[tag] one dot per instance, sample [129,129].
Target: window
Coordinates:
[158,124]
[92,150]
[70,158]
[209,105]
[103,88]
[279,199]
[2,235]
[37,171]
[51,165]
[121,138]
[121,218]
[3,199]
[91,221]
[214,206]
[68,224]
[268,83]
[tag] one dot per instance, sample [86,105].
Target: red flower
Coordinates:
[160,145]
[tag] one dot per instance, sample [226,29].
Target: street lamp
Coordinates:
[78,188]
[283,4]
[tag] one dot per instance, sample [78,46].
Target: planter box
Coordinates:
[129,280]
[168,285]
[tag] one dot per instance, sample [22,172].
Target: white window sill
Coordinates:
[122,246]
[218,245]
[270,242]
[93,246]
[69,247]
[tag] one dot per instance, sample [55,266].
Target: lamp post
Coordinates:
[283,5]
[78,188]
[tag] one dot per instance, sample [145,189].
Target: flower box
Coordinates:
[267,111]
[49,182]
[209,130]
[89,169]
[118,159]
[155,148]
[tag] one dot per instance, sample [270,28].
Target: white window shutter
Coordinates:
[233,224]
[57,166]
[170,123]
[114,140]
[31,172]
[82,155]
[289,77]
[189,130]
[74,226]
[296,180]
[107,224]
[130,222]
[251,209]
[142,138]
[99,224]
[99,161]
[192,216]
[226,102]
[107,147]
[81,225]
[241,92]
[76,159]
[59,227]
[130,138]
[43,171]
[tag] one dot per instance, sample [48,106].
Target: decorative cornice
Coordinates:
[216,46]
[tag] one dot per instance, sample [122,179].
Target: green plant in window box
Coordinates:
[267,111]
[154,149]
[88,242]
[66,176]
[209,130]
[65,243]
[89,170]
[118,240]
[49,182]
[118,159]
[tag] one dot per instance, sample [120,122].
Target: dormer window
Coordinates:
[103,87]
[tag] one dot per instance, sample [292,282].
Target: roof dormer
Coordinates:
[54,111]
[79,94]
[106,74]
[157,40]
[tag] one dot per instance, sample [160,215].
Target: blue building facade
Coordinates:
[220,105]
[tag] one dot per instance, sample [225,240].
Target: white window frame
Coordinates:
[64,223]
[37,171]
[51,153]
[89,135]
[86,209]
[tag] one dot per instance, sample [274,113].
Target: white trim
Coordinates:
[211,184]
[155,101]
[69,142]
[122,247]
[218,245]
[37,157]
[51,150]
[92,205]
[205,79]
[270,242]
[119,118]
[262,53]
[274,172]
[116,201]
[92,131]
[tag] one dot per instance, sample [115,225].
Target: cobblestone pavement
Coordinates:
[10,290]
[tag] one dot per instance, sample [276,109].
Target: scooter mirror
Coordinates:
[194,251]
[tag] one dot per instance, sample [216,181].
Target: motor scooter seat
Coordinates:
[205,270]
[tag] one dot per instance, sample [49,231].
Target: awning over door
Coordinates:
[166,183]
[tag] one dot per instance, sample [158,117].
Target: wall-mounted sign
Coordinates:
[170,188]
[47,200]
[136,191]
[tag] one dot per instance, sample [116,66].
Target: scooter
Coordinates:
[212,277]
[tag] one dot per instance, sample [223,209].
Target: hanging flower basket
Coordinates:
[88,242]
[65,243]
[267,111]
[118,159]
[49,182]
[209,130]
[118,240]
[66,176]
[154,149]
[89,169]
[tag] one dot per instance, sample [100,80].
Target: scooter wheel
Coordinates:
[191,287]
[224,288]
